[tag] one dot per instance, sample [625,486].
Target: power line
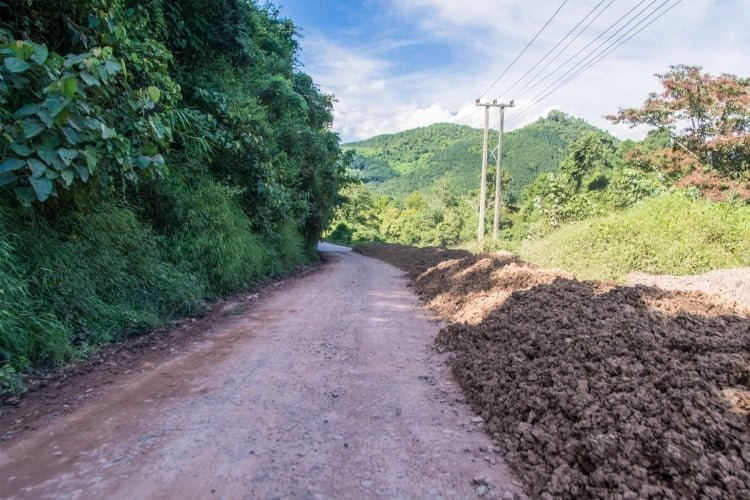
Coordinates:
[623,39]
[504,92]
[610,49]
[561,52]
[593,53]
[592,57]
[466,111]
[631,36]
[524,49]
[563,64]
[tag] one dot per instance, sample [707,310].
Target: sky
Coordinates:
[398,64]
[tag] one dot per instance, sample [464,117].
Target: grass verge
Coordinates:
[672,234]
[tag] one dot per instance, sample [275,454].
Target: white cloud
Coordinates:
[375,97]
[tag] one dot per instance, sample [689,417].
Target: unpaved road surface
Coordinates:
[327,388]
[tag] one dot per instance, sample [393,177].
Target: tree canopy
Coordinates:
[154,154]
[413,160]
[708,117]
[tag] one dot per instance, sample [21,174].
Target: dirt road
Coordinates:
[327,388]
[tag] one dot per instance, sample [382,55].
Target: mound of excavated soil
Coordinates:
[594,389]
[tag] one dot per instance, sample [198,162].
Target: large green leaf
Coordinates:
[16,65]
[108,133]
[11,164]
[47,155]
[68,176]
[67,155]
[154,93]
[71,135]
[40,53]
[32,128]
[142,162]
[45,117]
[55,105]
[83,172]
[91,157]
[20,149]
[112,67]
[89,79]
[7,178]
[26,110]
[38,168]
[69,87]
[42,187]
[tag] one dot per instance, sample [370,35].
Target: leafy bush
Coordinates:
[66,119]
[291,248]
[671,234]
[341,233]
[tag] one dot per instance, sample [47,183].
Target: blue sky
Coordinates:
[399,64]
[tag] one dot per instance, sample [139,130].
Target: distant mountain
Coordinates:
[398,164]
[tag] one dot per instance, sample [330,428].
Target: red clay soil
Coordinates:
[593,389]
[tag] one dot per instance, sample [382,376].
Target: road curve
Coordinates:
[327,388]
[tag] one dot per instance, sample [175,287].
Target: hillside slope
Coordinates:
[397,164]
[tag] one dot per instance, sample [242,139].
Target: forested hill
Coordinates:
[398,164]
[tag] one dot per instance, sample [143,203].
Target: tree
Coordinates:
[591,152]
[707,116]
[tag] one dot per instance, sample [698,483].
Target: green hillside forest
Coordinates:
[154,155]
[575,197]
[414,160]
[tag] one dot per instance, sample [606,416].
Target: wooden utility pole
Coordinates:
[485,156]
[499,171]
[483,188]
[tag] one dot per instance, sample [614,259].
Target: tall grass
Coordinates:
[672,234]
[213,240]
[74,280]
[28,331]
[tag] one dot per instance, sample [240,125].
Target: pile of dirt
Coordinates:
[414,261]
[595,389]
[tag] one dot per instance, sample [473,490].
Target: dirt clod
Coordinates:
[594,389]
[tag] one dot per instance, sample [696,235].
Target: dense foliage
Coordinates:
[707,116]
[565,169]
[440,217]
[152,155]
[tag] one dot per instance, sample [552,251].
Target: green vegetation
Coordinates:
[414,160]
[671,234]
[576,198]
[438,218]
[153,155]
